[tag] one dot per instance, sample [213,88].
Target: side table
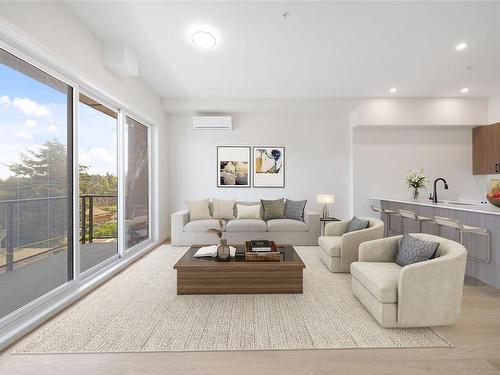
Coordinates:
[325,220]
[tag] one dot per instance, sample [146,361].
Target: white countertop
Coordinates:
[471,207]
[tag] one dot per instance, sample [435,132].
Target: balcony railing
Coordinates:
[87,228]
[9,231]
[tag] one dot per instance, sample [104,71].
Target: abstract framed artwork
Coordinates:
[268,167]
[233,166]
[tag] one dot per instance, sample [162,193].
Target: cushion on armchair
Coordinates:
[412,250]
[357,224]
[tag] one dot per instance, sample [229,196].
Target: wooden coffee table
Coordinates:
[207,276]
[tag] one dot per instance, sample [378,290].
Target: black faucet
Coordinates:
[435,195]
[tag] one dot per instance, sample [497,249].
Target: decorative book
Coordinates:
[261,245]
[252,255]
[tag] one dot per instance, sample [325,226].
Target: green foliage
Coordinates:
[106,230]
[416,180]
[44,173]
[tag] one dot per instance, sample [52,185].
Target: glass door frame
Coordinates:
[151,209]
[37,302]
[92,95]
[35,310]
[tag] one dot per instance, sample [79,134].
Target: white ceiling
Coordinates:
[323,49]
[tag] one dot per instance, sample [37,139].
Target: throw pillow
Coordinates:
[248,212]
[223,209]
[198,210]
[274,209]
[295,209]
[357,224]
[412,250]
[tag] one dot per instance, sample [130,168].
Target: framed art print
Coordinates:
[268,166]
[233,166]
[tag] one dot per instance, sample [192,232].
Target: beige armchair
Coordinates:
[422,294]
[338,249]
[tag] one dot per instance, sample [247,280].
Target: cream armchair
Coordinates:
[422,294]
[338,249]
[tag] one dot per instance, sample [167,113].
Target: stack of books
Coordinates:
[261,246]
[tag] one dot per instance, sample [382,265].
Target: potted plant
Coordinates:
[223,250]
[416,180]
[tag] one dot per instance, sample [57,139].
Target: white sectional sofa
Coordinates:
[285,231]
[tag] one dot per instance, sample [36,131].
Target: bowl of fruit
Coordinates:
[494,193]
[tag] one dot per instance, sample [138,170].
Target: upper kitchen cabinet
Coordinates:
[486,149]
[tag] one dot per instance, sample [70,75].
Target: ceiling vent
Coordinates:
[212,123]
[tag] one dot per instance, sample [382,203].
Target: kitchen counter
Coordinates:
[483,216]
[452,205]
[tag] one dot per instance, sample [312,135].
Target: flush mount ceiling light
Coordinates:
[465,90]
[393,90]
[203,39]
[461,46]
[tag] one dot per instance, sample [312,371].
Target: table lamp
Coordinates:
[326,199]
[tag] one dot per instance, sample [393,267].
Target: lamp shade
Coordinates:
[325,198]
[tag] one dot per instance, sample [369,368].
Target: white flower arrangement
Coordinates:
[417,180]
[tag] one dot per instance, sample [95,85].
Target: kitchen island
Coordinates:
[478,215]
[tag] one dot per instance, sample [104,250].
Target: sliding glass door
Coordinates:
[136,183]
[36,172]
[39,256]
[98,172]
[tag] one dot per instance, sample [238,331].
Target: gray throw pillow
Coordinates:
[412,250]
[357,224]
[274,209]
[295,209]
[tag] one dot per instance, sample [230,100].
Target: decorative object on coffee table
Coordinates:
[416,181]
[268,166]
[252,254]
[223,250]
[325,199]
[233,166]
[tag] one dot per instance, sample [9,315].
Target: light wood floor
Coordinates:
[476,338]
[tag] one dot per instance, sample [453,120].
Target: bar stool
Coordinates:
[461,228]
[406,214]
[388,214]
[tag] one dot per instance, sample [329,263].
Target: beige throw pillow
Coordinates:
[223,209]
[198,210]
[248,212]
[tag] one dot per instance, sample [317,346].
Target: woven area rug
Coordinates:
[139,311]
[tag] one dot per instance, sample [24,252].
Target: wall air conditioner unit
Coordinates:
[212,123]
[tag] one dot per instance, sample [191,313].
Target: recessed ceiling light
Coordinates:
[461,46]
[203,39]
[393,90]
[465,90]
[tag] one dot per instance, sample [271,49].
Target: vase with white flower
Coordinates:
[223,250]
[416,180]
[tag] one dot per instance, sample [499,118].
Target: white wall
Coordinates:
[494,109]
[317,152]
[61,36]
[319,157]
[422,112]
[384,155]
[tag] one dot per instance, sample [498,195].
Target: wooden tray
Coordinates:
[253,256]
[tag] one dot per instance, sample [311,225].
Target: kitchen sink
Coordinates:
[457,203]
